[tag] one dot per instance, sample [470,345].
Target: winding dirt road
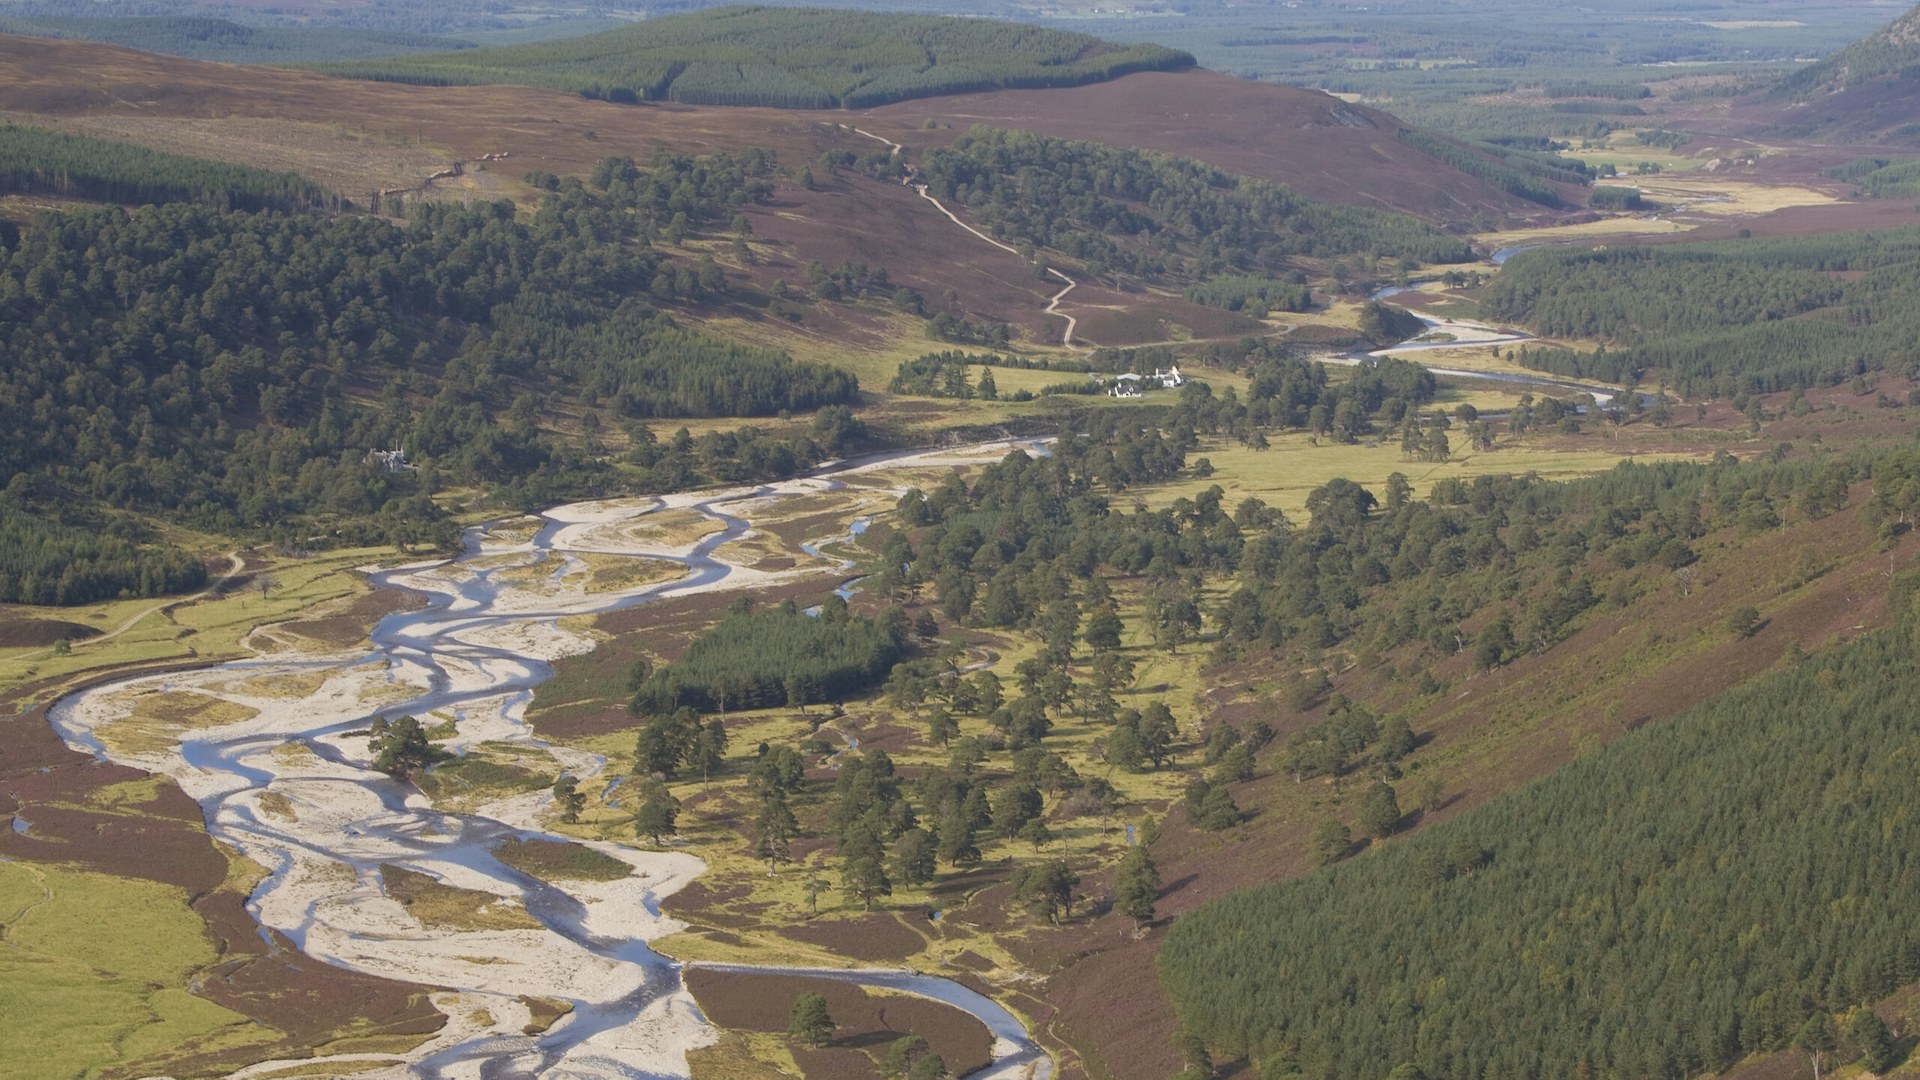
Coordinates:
[235,564]
[1053,302]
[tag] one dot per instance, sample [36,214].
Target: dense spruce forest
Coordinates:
[1882,178]
[1748,315]
[42,562]
[1149,215]
[35,161]
[1255,296]
[782,656]
[1694,893]
[795,58]
[235,368]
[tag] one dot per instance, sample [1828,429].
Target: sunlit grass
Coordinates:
[204,629]
[93,971]
[1294,466]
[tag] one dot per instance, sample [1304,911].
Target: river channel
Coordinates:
[290,786]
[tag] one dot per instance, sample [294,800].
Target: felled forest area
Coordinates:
[1746,316]
[1154,216]
[234,369]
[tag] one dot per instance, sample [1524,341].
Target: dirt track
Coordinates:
[1053,302]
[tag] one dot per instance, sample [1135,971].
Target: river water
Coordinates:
[291,788]
[1467,334]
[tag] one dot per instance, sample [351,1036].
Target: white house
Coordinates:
[390,460]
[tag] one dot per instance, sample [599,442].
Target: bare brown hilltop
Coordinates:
[1317,144]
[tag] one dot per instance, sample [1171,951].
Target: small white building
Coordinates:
[390,460]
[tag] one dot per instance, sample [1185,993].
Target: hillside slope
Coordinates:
[1867,91]
[1316,144]
[360,138]
[1483,734]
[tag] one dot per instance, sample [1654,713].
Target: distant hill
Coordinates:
[202,38]
[1893,52]
[1868,90]
[799,58]
[1316,144]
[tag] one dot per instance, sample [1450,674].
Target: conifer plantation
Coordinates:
[1745,316]
[789,58]
[780,657]
[1689,895]
[44,562]
[40,162]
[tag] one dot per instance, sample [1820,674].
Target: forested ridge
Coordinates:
[1889,53]
[36,161]
[797,58]
[1150,215]
[235,368]
[1748,315]
[1691,894]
